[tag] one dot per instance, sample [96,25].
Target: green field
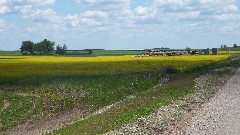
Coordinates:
[10,53]
[99,52]
[34,85]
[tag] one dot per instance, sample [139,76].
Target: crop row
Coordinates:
[20,66]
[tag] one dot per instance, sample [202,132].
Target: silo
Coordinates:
[214,51]
[207,51]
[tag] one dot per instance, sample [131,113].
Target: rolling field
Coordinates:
[23,66]
[32,85]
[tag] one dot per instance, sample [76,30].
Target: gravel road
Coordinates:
[211,110]
[222,114]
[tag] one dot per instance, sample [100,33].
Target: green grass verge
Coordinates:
[144,104]
[60,93]
[16,109]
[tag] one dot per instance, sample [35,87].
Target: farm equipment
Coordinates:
[162,53]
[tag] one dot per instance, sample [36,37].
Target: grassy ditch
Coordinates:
[58,94]
[130,110]
[16,109]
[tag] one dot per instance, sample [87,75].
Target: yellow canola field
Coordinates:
[22,66]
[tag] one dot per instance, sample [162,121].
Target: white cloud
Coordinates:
[172,2]
[104,4]
[229,28]
[198,10]
[188,15]
[2,25]
[25,9]
[21,6]
[43,2]
[94,13]
[88,21]
[216,2]
[225,17]
[4,10]
[6,27]
[230,8]
[39,15]
[161,18]
[30,2]
[141,10]
[3,2]
[110,13]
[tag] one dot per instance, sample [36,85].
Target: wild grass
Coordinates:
[16,109]
[128,111]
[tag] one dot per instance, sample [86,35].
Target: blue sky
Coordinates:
[120,24]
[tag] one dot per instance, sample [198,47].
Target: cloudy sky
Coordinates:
[120,24]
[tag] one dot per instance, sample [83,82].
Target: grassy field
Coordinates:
[51,84]
[10,53]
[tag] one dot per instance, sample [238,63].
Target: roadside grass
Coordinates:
[18,110]
[63,93]
[128,111]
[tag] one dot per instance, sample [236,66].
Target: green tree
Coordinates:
[64,48]
[61,50]
[27,47]
[90,52]
[235,46]
[188,49]
[45,47]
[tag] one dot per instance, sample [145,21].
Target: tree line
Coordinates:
[226,47]
[44,47]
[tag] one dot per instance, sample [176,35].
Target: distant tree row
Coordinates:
[44,47]
[225,46]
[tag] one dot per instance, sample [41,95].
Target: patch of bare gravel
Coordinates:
[222,114]
[173,118]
